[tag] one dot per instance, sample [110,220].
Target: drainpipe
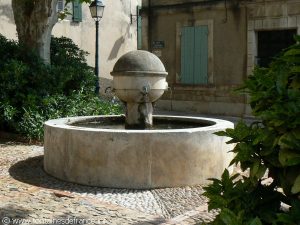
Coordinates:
[246,97]
[149,25]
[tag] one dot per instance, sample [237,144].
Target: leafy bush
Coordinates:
[76,104]
[69,66]
[32,92]
[269,150]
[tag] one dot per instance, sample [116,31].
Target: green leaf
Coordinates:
[296,81]
[292,52]
[256,221]
[296,186]
[284,218]
[254,168]
[241,131]
[226,177]
[228,217]
[290,139]
[216,202]
[221,133]
[295,69]
[288,157]
[257,170]
[295,210]
[244,152]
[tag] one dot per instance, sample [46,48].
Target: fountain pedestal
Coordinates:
[139,115]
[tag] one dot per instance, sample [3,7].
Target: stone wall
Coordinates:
[227,54]
[233,27]
[269,15]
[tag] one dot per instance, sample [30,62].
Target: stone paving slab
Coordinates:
[27,192]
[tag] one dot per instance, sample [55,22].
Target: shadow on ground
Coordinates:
[12,212]
[31,171]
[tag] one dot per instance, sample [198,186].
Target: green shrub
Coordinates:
[269,149]
[56,106]
[32,92]
[69,66]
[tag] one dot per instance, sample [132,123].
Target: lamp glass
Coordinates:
[97,9]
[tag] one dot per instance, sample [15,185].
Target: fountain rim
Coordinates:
[64,123]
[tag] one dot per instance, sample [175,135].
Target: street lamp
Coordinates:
[97,9]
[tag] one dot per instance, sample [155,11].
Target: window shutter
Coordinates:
[194,55]
[60,5]
[77,11]
[139,28]
[201,55]
[187,55]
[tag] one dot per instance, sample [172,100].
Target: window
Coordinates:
[194,55]
[75,9]
[270,43]
[60,5]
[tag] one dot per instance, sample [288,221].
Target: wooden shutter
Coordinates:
[60,5]
[187,55]
[77,11]
[194,55]
[139,28]
[201,55]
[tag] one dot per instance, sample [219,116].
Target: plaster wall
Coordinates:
[117,34]
[7,24]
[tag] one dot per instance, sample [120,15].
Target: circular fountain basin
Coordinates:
[98,151]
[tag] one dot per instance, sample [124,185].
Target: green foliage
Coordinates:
[243,201]
[69,66]
[269,149]
[32,92]
[56,106]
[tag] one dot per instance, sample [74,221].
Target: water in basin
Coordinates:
[159,123]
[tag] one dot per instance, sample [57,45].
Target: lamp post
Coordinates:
[97,9]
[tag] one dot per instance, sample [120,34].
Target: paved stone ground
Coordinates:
[28,193]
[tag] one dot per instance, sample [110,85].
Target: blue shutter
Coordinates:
[187,55]
[139,28]
[77,11]
[194,55]
[201,55]
[60,5]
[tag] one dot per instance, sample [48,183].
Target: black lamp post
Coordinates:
[97,9]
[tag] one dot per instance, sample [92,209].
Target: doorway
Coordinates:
[270,43]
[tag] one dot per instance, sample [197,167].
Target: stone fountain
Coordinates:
[138,150]
[139,80]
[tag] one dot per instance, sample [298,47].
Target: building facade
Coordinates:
[117,33]
[209,47]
